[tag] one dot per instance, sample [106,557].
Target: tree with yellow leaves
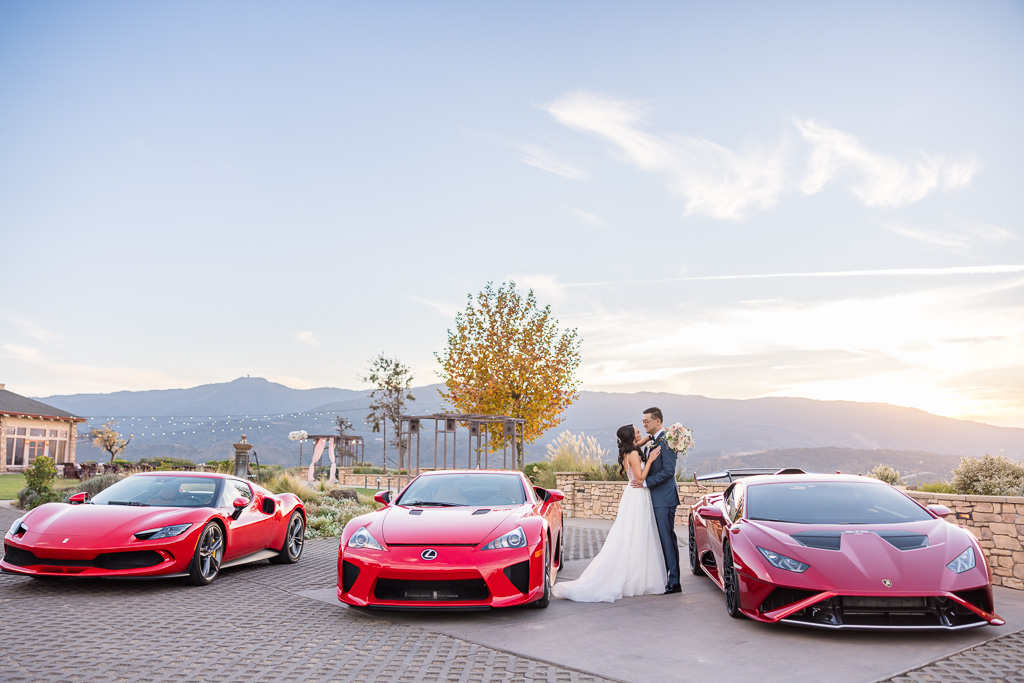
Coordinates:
[506,356]
[107,438]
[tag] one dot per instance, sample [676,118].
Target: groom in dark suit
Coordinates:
[661,481]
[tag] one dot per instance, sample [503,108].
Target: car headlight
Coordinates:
[963,562]
[162,532]
[18,527]
[782,562]
[364,539]
[513,539]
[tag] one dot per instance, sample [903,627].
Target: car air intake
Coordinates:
[349,574]
[400,590]
[139,559]
[519,575]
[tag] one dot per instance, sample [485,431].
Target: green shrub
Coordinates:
[886,473]
[166,462]
[369,469]
[97,484]
[991,475]
[937,487]
[541,474]
[41,475]
[30,498]
[286,482]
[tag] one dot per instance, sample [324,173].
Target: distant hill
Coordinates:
[202,422]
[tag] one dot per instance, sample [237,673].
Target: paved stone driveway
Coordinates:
[249,625]
[252,624]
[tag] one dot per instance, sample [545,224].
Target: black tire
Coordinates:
[208,555]
[561,552]
[294,541]
[691,544]
[545,599]
[731,583]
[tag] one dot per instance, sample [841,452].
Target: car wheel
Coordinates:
[731,583]
[293,541]
[546,598]
[209,553]
[691,543]
[561,551]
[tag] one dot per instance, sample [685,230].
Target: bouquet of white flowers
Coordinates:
[680,438]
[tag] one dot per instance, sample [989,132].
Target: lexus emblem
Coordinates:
[887,583]
[431,554]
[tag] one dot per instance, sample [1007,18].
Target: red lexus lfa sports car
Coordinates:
[156,525]
[454,539]
[838,552]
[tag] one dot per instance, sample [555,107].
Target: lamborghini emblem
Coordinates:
[887,583]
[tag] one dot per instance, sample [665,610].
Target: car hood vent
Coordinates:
[482,511]
[831,540]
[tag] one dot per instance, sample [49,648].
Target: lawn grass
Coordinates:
[10,484]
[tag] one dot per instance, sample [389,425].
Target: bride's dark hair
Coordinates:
[625,434]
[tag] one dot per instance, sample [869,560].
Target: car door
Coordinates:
[251,528]
[717,529]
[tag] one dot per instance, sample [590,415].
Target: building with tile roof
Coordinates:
[30,429]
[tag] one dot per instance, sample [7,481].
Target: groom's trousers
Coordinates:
[665,518]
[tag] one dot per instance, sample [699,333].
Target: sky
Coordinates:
[733,199]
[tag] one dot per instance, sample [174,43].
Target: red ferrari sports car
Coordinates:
[838,552]
[156,525]
[454,539]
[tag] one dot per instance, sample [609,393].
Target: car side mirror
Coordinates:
[552,496]
[383,497]
[239,504]
[940,510]
[711,512]
[79,498]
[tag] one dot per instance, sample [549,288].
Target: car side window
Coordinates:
[737,501]
[730,502]
[235,489]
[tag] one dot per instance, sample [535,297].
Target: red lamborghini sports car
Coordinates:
[457,539]
[838,552]
[156,525]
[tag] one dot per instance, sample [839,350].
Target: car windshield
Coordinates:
[469,488]
[161,490]
[832,502]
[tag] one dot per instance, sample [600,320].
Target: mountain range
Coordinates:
[201,423]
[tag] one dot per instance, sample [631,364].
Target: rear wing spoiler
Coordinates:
[732,475]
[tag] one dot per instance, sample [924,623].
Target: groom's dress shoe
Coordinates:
[673,589]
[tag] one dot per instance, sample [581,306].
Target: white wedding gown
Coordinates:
[630,562]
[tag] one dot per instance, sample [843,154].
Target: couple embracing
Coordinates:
[640,554]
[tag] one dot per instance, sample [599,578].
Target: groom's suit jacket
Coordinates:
[661,478]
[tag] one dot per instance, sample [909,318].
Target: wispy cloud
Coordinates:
[32,329]
[878,179]
[939,238]
[308,338]
[920,348]
[992,234]
[712,179]
[545,159]
[878,272]
[587,217]
[22,353]
[727,184]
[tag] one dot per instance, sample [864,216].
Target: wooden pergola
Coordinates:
[347,445]
[478,447]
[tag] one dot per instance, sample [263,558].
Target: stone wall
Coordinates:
[997,522]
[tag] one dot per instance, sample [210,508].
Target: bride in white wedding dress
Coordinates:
[631,561]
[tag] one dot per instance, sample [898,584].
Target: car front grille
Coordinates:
[138,559]
[886,611]
[401,590]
